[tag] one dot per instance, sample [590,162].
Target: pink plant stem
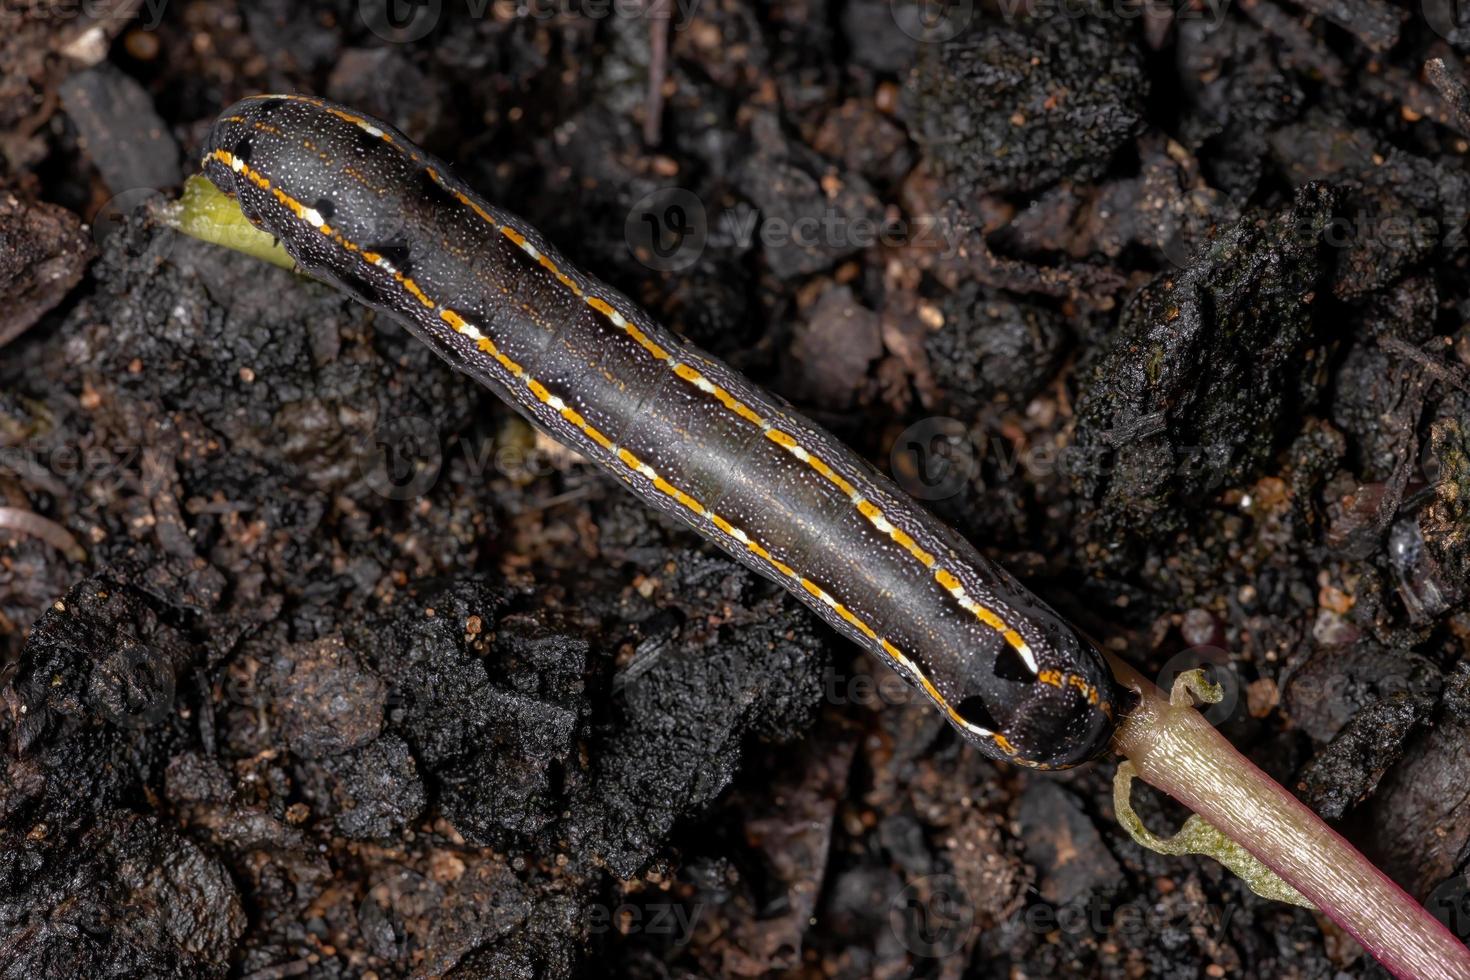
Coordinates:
[1176,750]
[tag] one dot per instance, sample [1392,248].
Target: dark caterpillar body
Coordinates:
[359,206]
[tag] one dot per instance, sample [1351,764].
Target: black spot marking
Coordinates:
[1010,667]
[359,287]
[974,710]
[325,208]
[395,252]
[520,256]
[242,151]
[366,142]
[442,197]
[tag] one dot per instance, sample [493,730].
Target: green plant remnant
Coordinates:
[1194,685]
[1199,837]
[208,215]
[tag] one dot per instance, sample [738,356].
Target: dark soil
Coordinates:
[319,663]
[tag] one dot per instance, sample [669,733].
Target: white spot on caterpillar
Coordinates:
[385,265]
[881,523]
[236,164]
[556,403]
[740,536]
[647,471]
[469,331]
[313,217]
[984,732]
[370,129]
[822,594]
[703,384]
[530,250]
[800,453]
[618,320]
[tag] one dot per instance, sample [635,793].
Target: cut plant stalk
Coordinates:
[1173,748]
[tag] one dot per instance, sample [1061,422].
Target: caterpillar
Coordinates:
[358,206]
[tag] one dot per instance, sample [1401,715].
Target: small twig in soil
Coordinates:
[1440,371]
[536,507]
[1093,283]
[658,69]
[33,524]
[1452,90]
